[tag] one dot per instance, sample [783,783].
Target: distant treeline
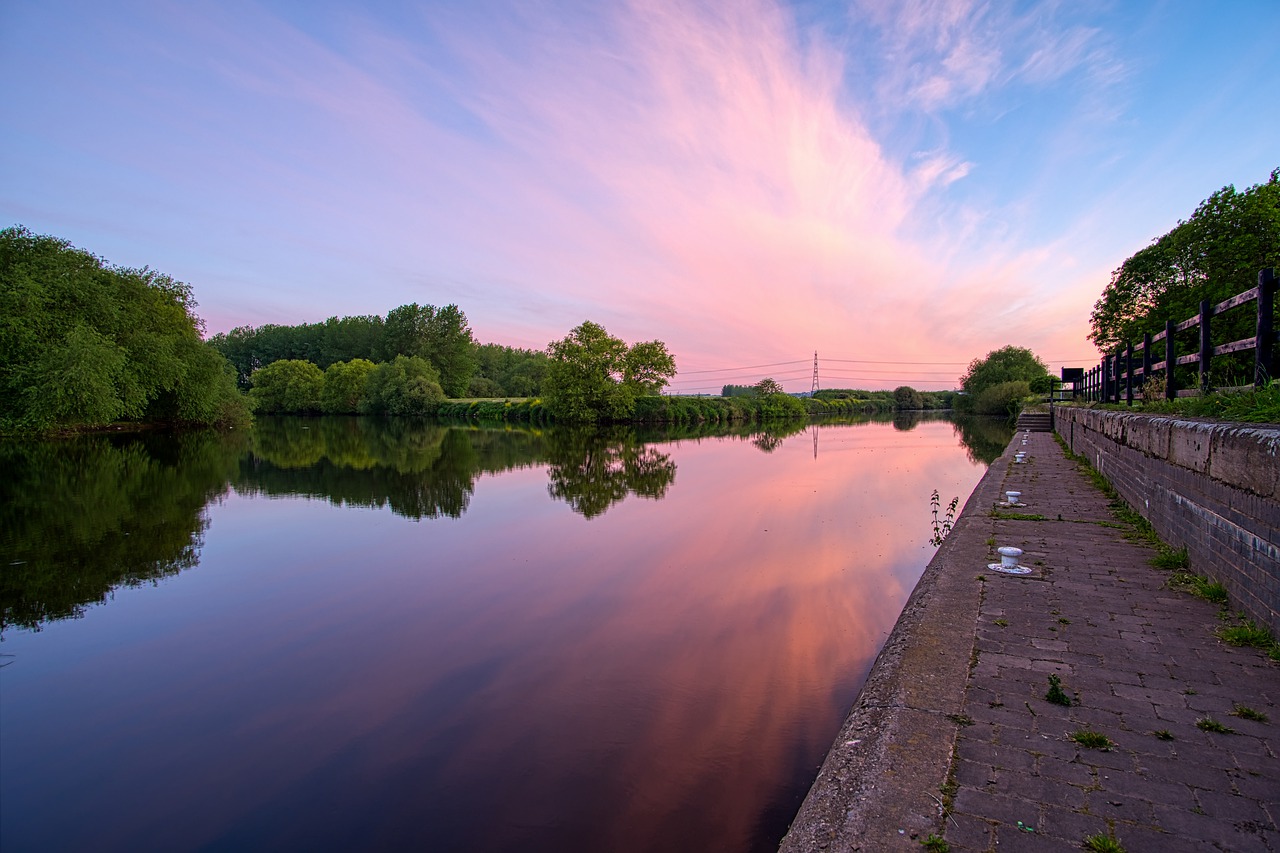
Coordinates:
[439,336]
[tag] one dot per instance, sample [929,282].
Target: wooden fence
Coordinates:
[1118,375]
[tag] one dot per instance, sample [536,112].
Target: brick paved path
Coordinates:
[1136,658]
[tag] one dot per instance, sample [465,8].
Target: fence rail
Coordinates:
[1118,375]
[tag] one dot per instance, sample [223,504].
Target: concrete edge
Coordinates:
[880,787]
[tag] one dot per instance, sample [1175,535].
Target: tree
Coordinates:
[85,343]
[767,386]
[288,386]
[1212,256]
[407,386]
[592,375]
[1007,364]
[906,398]
[439,335]
[344,385]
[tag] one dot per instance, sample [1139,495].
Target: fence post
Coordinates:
[1206,348]
[1116,381]
[1128,373]
[1170,356]
[1146,362]
[1264,365]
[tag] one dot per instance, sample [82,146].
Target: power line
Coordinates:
[748,367]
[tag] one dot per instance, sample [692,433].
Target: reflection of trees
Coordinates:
[984,438]
[418,469]
[907,420]
[81,517]
[592,470]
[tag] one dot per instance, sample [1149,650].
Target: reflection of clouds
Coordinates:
[673,668]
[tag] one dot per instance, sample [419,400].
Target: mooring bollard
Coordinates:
[1009,562]
[1020,457]
[1012,498]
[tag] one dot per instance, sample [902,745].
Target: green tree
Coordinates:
[288,386]
[84,343]
[594,376]
[408,386]
[767,386]
[439,335]
[1007,364]
[906,398]
[1211,256]
[344,385]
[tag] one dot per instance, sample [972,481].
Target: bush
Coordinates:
[407,386]
[288,386]
[1005,398]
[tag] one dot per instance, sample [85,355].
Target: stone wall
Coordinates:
[1211,487]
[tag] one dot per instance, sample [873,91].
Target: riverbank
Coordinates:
[952,735]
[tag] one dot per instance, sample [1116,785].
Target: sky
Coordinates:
[897,187]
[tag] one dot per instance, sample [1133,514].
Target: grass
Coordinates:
[935,844]
[1018,516]
[1244,712]
[1245,634]
[1199,586]
[1163,734]
[1209,724]
[1255,406]
[1092,740]
[1056,695]
[960,719]
[1102,844]
[1003,623]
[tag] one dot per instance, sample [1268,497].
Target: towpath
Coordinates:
[962,685]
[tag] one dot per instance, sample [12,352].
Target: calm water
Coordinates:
[339,634]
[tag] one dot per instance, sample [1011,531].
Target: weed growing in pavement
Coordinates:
[1102,844]
[1199,586]
[935,844]
[1092,740]
[1209,724]
[1056,695]
[1245,634]
[1244,712]
[1163,734]
[960,719]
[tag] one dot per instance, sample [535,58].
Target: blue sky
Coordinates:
[749,181]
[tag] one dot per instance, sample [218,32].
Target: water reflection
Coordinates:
[601,670]
[82,517]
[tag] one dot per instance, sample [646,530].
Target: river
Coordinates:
[349,634]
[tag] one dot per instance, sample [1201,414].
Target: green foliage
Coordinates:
[289,386]
[1209,724]
[594,376]
[344,386]
[322,344]
[441,336]
[1260,405]
[935,844]
[1244,712]
[1199,586]
[1246,633]
[767,386]
[737,391]
[1102,843]
[407,386]
[1007,364]
[907,398]
[1056,694]
[1005,398]
[87,344]
[1214,255]
[515,372]
[1091,739]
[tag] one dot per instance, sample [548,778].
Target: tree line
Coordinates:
[439,336]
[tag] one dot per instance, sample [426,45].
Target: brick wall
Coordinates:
[1211,487]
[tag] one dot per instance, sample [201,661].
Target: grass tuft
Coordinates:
[1245,634]
[1244,712]
[935,844]
[1209,724]
[1102,844]
[1092,740]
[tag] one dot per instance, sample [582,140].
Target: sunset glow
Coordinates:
[915,183]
